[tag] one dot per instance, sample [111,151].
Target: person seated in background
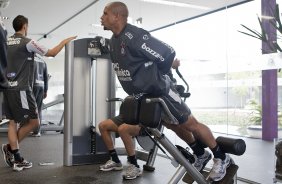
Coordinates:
[40,88]
[141,63]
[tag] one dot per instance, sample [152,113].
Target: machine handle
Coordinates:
[114,99]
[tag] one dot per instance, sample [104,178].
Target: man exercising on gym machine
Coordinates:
[126,132]
[141,63]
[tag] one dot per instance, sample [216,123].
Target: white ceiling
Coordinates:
[62,18]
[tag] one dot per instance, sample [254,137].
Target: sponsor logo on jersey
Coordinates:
[148,64]
[9,75]
[37,46]
[145,37]
[152,52]
[13,83]
[137,96]
[122,48]
[129,35]
[13,41]
[122,74]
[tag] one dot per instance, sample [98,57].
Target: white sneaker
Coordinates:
[201,161]
[218,170]
[131,172]
[19,166]
[111,165]
[36,134]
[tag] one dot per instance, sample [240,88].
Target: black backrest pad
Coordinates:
[138,111]
[150,114]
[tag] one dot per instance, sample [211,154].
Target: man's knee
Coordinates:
[101,126]
[33,123]
[191,124]
[104,125]
[126,129]
[184,128]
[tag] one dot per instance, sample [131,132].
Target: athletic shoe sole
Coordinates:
[21,168]
[112,169]
[131,178]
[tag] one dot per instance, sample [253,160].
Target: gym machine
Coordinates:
[88,68]
[145,155]
[149,144]
[50,126]
[89,80]
[89,87]
[149,117]
[148,113]
[153,134]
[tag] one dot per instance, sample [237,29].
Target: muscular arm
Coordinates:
[54,51]
[35,47]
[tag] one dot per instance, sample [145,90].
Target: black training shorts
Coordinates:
[176,105]
[118,120]
[20,106]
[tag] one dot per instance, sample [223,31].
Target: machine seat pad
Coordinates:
[129,110]
[150,114]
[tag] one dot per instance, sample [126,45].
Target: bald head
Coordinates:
[118,8]
[114,17]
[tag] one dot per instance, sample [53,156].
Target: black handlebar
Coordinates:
[180,75]
[186,94]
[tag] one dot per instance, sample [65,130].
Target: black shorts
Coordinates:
[176,105]
[20,106]
[118,120]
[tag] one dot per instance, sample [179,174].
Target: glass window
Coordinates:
[222,67]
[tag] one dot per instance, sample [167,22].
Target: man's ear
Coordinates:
[25,26]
